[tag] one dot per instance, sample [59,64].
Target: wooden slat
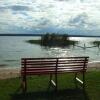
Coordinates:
[39,66]
[63,68]
[40,63]
[52,72]
[38,72]
[56,58]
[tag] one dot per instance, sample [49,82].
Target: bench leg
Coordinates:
[83,80]
[56,81]
[24,84]
[80,81]
[52,82]
[75,80]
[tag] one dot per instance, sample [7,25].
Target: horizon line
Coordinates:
[44,34]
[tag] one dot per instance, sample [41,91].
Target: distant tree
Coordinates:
[45,39]
[52,38]
[65,37]
[55,39]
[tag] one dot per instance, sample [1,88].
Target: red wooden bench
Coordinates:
[53,66]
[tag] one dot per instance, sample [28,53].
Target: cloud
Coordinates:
[79,21]
[15,8]
[49,15]
[19,8]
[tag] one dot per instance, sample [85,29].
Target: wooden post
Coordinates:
[75,80]
[24,78]
[56,81]
[84,68]
[50,81]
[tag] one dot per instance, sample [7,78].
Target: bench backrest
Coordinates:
[31,66]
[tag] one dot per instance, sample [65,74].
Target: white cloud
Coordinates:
[40,14]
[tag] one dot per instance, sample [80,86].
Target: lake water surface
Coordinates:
[13,48]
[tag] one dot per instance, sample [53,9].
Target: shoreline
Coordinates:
[6,73]
[94,65]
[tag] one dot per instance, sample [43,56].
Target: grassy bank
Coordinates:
[34,41]
[38,88]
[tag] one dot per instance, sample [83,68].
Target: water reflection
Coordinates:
[57,52]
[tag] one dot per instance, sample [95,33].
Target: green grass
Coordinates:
[34,41]
[38,88]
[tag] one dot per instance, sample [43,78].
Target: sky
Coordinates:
[78,17]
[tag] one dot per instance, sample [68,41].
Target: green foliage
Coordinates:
[96,43]
[34,41]
[56,40]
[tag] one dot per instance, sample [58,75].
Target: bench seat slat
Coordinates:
[41,68]
[71,60]
[61,60]
[38,66]
[53,66]
[55,58]
[48,69]
[51,60]
[51,71]
[42,63]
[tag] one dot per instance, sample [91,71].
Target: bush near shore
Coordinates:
[54,40]
[96,43]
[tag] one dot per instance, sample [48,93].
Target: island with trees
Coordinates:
[53,40]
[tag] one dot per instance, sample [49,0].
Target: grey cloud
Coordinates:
[15,8]
[44,21]
[62,0]
[19,8]
[79,20]
[82,0]
[2,9]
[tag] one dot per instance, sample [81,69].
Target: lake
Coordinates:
[13,48]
